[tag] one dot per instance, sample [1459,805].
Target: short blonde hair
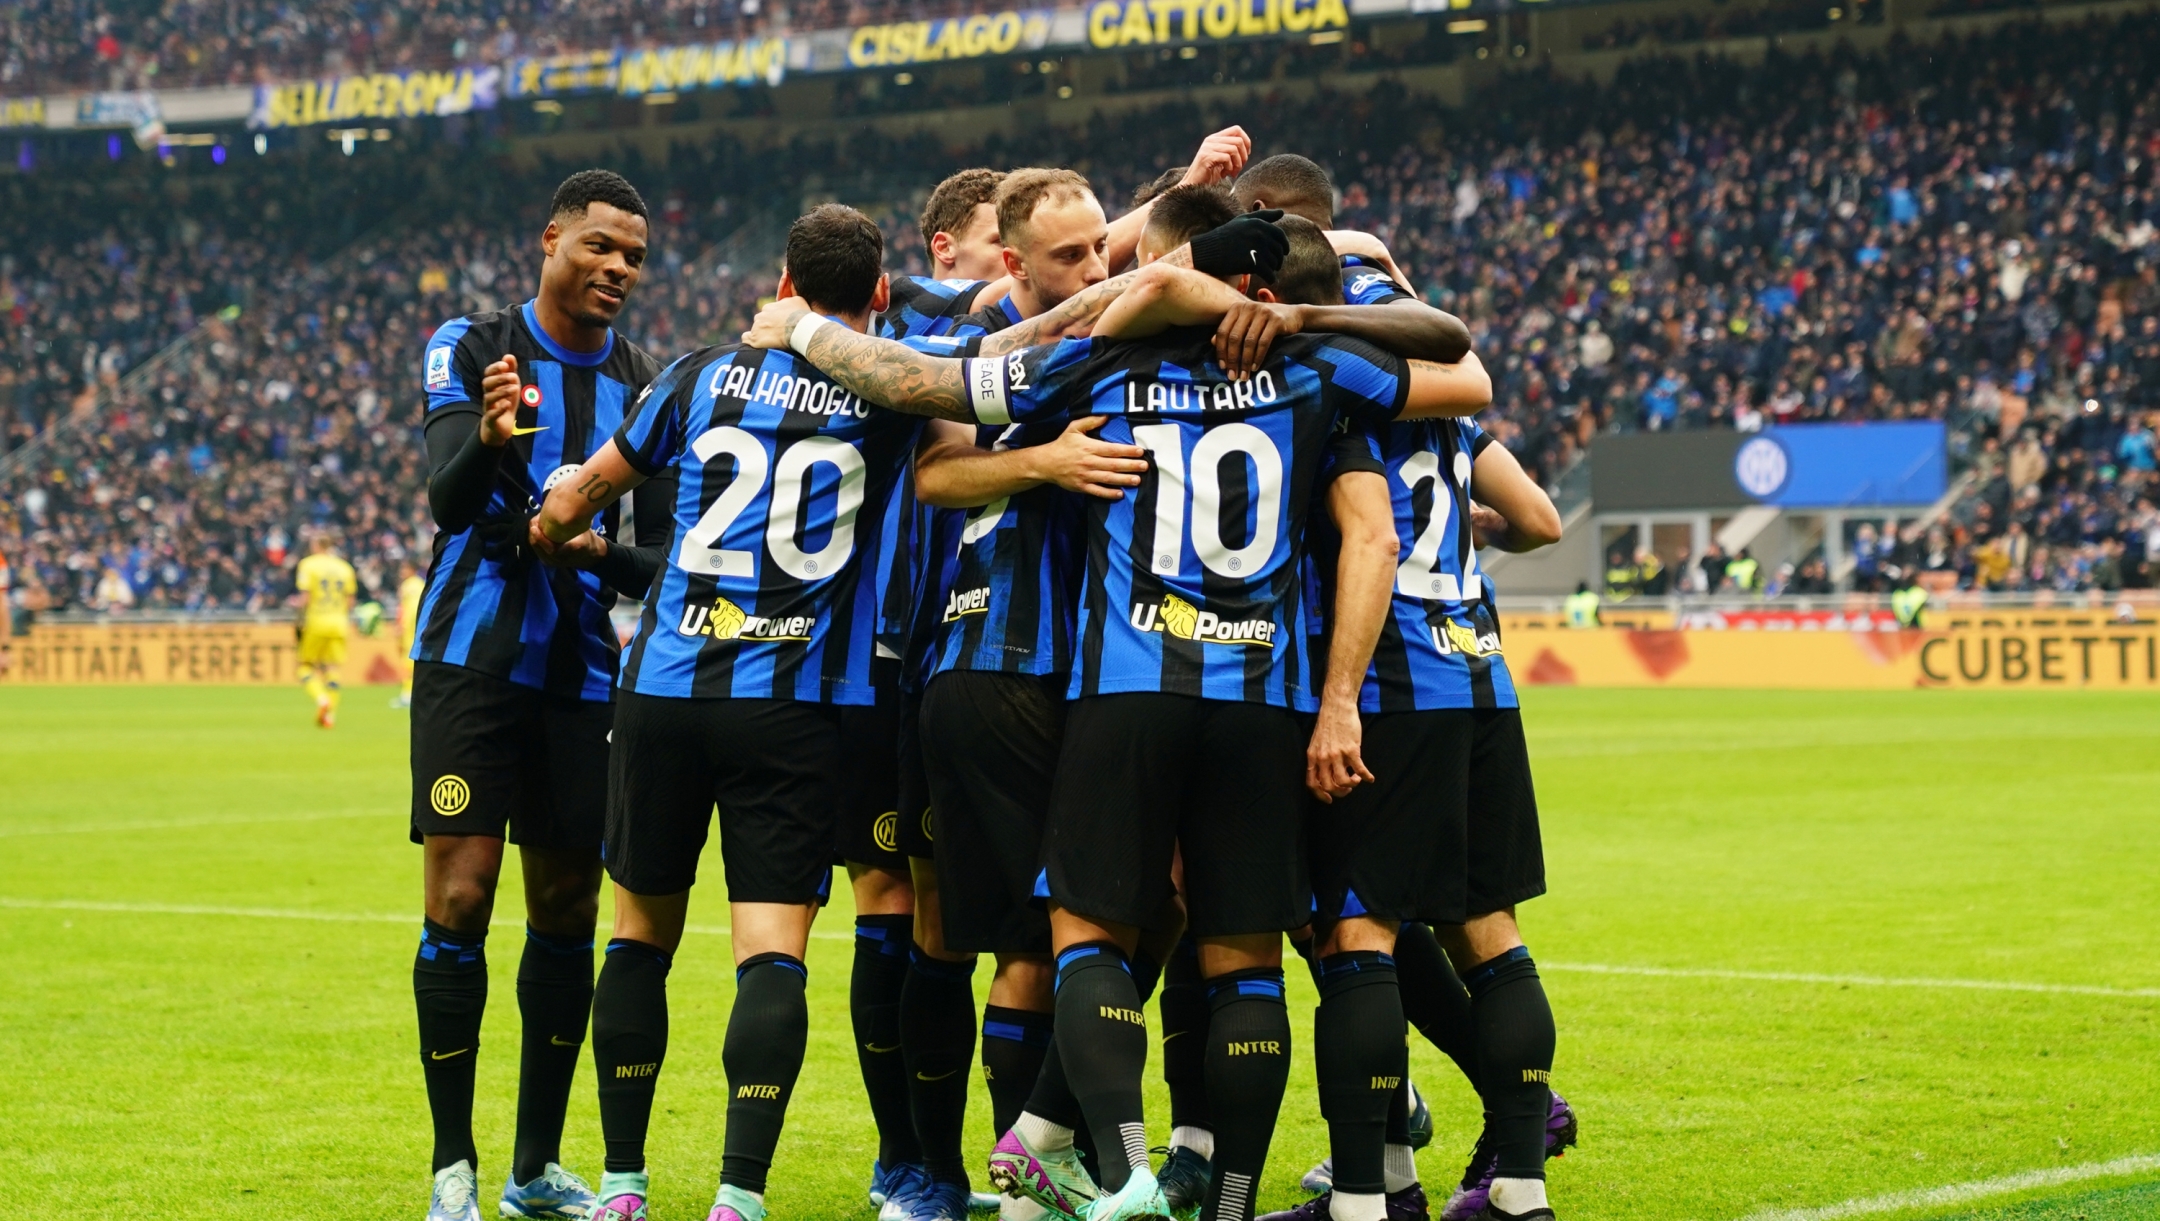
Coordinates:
[1023,191]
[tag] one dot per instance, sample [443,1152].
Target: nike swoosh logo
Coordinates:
[872,1047]
[446,1055]
[1171,1034]
[939,1077]
[523,432]
[559,1041]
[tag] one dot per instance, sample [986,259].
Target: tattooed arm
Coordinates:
[886,373]
[1079,314]
[568,512]
[1463,388]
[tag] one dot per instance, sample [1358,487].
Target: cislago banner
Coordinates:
[915,42]
[2022,651]
[256,654]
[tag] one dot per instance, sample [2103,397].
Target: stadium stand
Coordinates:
[1966,235]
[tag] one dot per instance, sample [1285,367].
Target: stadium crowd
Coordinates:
[1966,236]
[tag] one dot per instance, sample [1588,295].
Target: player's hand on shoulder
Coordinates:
[499,387]
[1245,334]
[775,324]
[1222,156]
[1079,462]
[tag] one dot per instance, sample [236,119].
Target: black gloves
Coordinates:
[503,536]
[1250,245]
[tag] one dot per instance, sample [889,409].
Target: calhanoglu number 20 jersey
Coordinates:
[784,478]
[1192,579]
[1440,644]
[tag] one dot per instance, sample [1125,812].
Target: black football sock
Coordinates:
[629,1042]
[1014,1043]
[881,969]
[1184,1039]
[1248,1066]
[450,991]
[937,1033]
[1360,1061]
[1515,1046]
[554,990]
[767,1033]
[1434,999]
[1102,1040]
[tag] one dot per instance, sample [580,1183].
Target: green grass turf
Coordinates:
[211,1066]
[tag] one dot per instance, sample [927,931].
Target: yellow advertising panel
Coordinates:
[249,653]
[1118,23]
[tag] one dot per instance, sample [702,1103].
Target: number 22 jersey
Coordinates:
[784,477]
[1192,579]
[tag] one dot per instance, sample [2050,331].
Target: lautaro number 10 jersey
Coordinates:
[784,477]
[1192,579]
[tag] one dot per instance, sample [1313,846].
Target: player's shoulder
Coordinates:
[634,365]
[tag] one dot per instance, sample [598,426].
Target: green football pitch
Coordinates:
[1812,956]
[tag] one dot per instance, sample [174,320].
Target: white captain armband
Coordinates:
[799,338]
[986,390]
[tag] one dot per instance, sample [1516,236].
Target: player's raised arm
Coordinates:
[884,372]
[1528,519]
[1220,158]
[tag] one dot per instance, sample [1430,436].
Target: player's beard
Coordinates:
[594,319]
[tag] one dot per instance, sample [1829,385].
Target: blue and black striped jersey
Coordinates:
[1440,645]
[1192,582]
[485,608]
[919,305]
[779,471]
[1010,600]
[1366,284]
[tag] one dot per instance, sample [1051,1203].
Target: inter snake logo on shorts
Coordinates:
[926,826]
[886,831]
[449,796]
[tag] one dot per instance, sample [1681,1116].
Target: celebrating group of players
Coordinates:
[1114,626]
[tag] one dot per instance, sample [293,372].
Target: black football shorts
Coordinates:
[1448,829]
[991,749]
[869,785]
[771,767]
[490,757]
[1143,773]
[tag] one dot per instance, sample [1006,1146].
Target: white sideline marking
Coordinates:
[121,828]
[293,913]
[721,930]
[1858,981]
[1964,1193]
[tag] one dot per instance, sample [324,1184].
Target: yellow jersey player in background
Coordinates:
[411,588]
[327,586]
